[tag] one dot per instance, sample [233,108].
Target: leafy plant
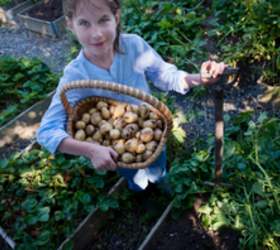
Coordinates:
[251,163]
[45,197]
[23,82]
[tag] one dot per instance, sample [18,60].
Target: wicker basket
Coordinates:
[75,113]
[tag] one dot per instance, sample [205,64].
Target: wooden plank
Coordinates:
[60,26]
[34,24]
[25,124]
[156,228]
[10,16]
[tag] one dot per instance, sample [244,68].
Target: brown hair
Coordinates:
[69,8]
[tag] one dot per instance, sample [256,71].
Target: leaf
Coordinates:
[43,238]
[3,164]
[222,219]
[278,61]
[204,209]
[30,204]
[30,219]
[261,204]
[69,245]
[103,206]
[218,225]
[85,198]
[262,117]
[258,189]
[112,203]
[43,214]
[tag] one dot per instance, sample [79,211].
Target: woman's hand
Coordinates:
[215,69]
[104,158]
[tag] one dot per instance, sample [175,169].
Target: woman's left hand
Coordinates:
[215,69]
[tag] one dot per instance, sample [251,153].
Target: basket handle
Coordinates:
[122,89]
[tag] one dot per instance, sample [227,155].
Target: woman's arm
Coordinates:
[102,158]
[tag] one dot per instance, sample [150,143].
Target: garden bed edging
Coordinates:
[10,16]
[53,29]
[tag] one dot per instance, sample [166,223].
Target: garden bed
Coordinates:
[45,17]
[8,14]
[188,232]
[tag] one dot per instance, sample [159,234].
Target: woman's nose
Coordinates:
[96,33]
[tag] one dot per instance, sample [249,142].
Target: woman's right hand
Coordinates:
[104,158]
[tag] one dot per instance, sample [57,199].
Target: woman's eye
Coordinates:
[103,20]
[84,23]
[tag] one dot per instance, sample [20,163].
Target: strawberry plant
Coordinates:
[43,198]
[23,82]
[251,163]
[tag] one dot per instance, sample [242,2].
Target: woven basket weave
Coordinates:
[75,113]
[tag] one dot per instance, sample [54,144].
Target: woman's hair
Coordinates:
[69,8]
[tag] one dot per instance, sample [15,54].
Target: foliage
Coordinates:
[24,80]
[257,23]
[45,197]
[171,28]
[251,163]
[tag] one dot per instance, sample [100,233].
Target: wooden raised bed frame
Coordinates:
[10,16]
[53,29]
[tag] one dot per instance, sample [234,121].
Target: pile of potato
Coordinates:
[133,131]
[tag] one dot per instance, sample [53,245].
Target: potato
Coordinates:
[131,145]
[115,134]
[152,146]
[153,116]
[101,104]
[137,135]
[95,118]
[144,111]
[139,158]
[130,117]
[92,110]
[106,128]
[102,123]
[89,139]
[120,124]
[129,131]
[111,121]
[134,108]
[118,147]
[140,122]
[86,118]
[107,136]
[105,113]
[147,154]
[159,124]
[150,124]
[140,148]
[118,111]
[90,129]
[128,158]
[106,143]
[146,134]
[80,135]
[112,110]
[157,134]
[80,125]
[97,135]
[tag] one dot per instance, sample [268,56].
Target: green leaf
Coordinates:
[221,218]
[262,117]
[258,189]
[261,204]
[30,204]
[43,214]
[218,225]
[103,206]
[69,245]
[43,238]
[85,198]
[204,209]
[30,219]
[278,61]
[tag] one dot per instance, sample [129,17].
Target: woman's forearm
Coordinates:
[192,81]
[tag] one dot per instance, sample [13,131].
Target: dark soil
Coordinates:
[48,10]
[12,4]
[188,233]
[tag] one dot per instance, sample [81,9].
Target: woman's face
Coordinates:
[95,25]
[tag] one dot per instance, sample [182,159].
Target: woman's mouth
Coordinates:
[98,44]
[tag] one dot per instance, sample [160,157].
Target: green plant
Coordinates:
[25,81]
[45,197]
[251,163]
[257,23]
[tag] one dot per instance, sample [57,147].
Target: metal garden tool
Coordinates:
[218,88]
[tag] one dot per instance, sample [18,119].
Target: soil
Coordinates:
[12,4]
[187,232]
[48,10]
